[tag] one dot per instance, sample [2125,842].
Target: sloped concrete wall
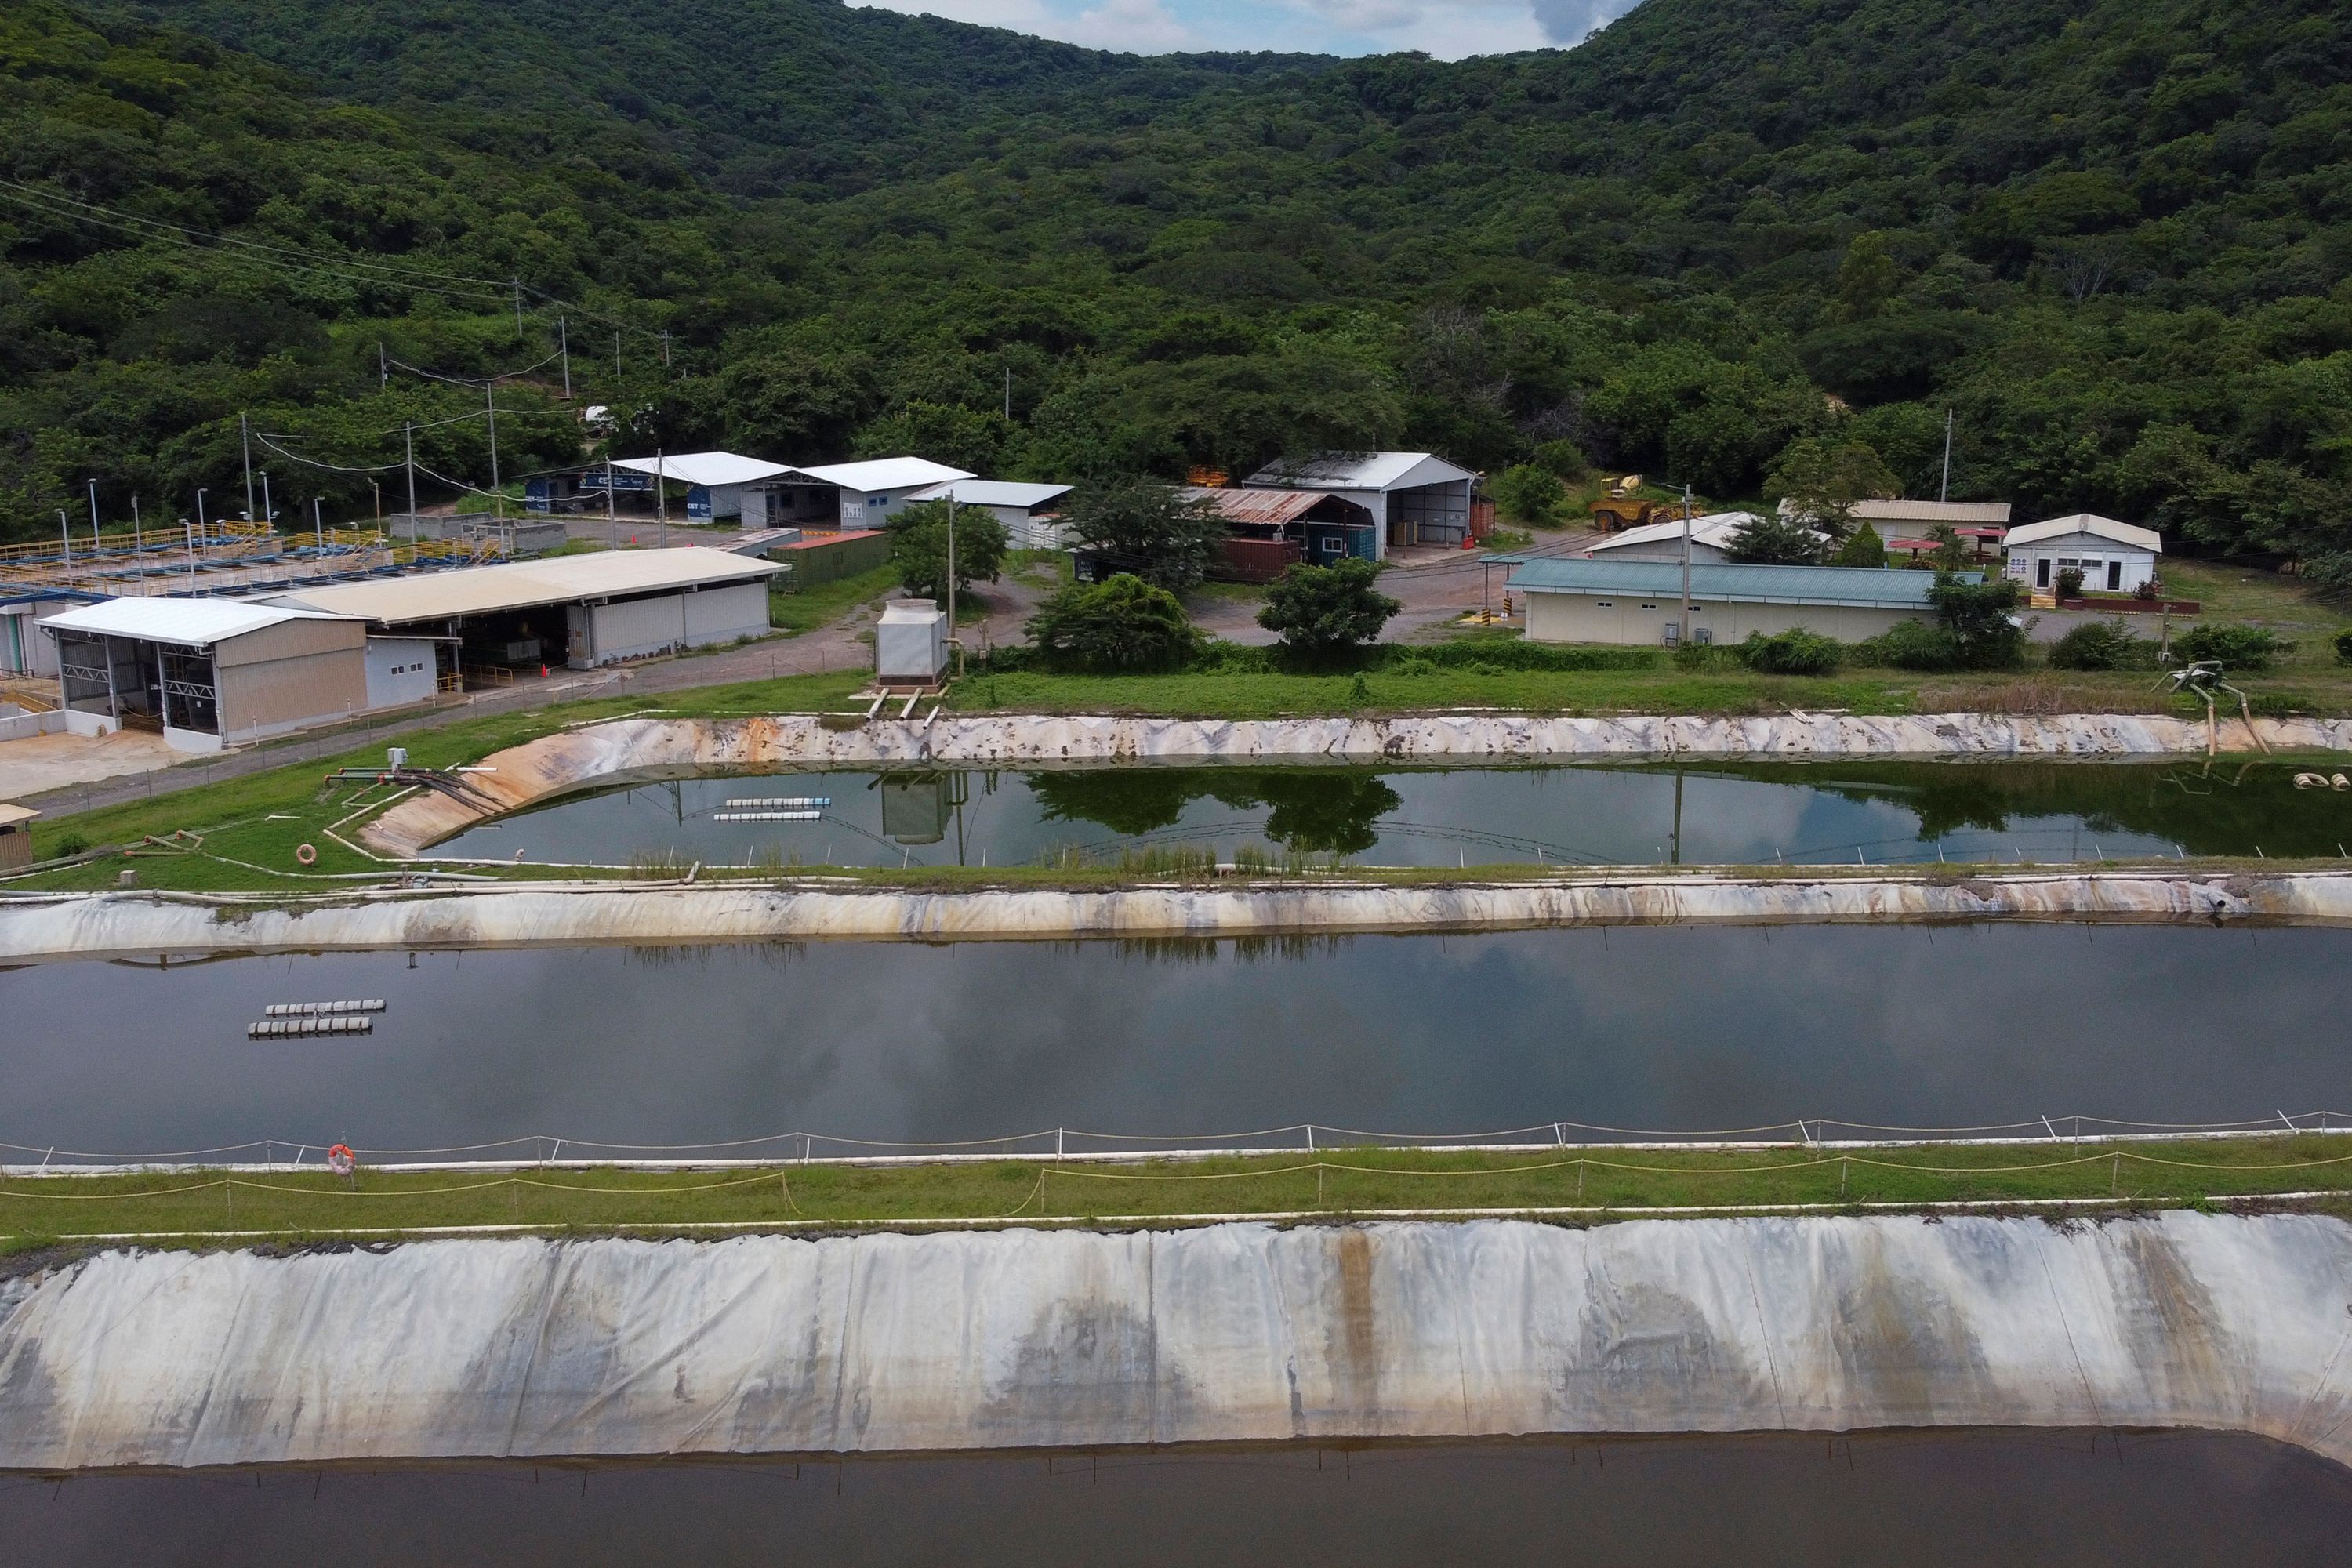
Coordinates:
[90,925]
[624,748]
[1240,1332]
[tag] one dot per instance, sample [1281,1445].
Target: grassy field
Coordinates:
[826,602]
[36,1212]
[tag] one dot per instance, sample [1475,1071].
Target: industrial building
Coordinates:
[844,495]
[1633,602]
[206,673]
[716,485]
[577,610]
[1031,513]
[2113,557]
[1413,498]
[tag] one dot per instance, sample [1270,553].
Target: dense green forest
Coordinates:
[2112,236]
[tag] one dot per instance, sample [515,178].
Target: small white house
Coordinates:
[716,483]
[2114,557]
[1032,514]
[1414,498]
[844,495]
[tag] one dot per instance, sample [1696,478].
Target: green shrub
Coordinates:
[1564,458]
[1517,653]
[1121,625]
[1528,494]
[1862,548]
[2070,582]
[1910,645]
[1976,616]
[1793,652]
[2344,647]
[2102,644]
[2236,648]
[67,844]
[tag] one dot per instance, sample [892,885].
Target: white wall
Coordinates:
[1641,620]
[399,670]
[638,628]
[2092,553]
[724,613]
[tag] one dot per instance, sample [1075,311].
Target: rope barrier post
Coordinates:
[2116,1177]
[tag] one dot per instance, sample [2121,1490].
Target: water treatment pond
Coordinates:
[1604,814]
[1679,1028]
[2054,1499]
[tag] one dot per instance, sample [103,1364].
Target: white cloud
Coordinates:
[1132,26]
[1448,29]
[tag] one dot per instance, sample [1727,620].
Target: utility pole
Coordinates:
[951,626]
[1682,627]
[200,511]
[408,459]
[1944,491]
[379,505]
[93,517]
[383,367]
[612,518]
[517,293]
[661,493]
[245,434]
[192,553]
[1008,395]
[65,533]
[318,525]
[616,359]
[490,401]
[268,512]
[563,345]
[664,348]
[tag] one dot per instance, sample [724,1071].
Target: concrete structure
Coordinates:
[1710,539]
[1413,498]
[579,610]
[910,646]
[801,906]
[1032,514]
[511,538]
[844,495]
[1037,1338]
[1635,601]
[211,672]
[2114,557]
[16,835]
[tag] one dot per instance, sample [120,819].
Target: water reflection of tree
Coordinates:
[2224,810]
[1312,810]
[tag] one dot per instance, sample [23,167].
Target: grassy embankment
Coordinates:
[35,1212]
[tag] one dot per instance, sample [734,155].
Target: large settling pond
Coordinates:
[1677,1028]
[2054,1499]
[1586,814]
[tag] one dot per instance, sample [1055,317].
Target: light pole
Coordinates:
[200,528]
[65,533]
[268,512]
[93,518]
[1682,631]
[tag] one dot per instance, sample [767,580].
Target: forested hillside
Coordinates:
[2113,236]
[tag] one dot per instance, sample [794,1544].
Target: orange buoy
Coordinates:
[341,1161]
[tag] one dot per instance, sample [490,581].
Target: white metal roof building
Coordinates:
[209,672]
[2113,557]
[1710,537]
[715,485]
[580,610]
[1415,497]
[844,495]
[1911,513]
[1030,512]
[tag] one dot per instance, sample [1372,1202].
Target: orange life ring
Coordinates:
[306,854]
[341,1161]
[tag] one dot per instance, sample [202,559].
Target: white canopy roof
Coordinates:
[194,623]
[518,584]
[704,467]
[880,474]
[2087,523]
[1358,471]
[994,493]
[1714,529]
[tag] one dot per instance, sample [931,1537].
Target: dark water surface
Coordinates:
[1958,1500]
[1611,814]
[1681,1028]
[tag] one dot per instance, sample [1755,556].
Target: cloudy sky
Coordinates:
[1446,28]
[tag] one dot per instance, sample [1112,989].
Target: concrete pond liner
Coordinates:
[944,1342]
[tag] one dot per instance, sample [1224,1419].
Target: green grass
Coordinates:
[2242,593]
[826,602]
[36,1210]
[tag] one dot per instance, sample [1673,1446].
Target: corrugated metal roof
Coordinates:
[1259,506]
[881,474]
[1714,529]
[993,492]
[1865,585]
[517,584]
[704,468]
[2087,522]
[196,623]
[11,813]
[1951,511]
[1358,471]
